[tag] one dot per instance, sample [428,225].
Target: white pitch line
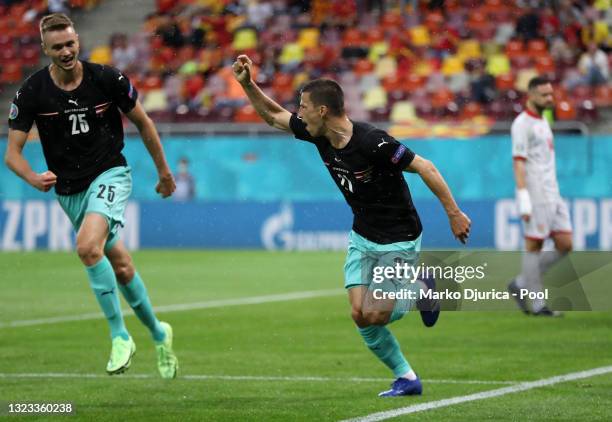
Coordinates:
[254,300]
[523,386]
[241,378]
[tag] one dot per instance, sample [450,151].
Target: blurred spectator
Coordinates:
[58,6]
[528,25]
[259,12]
[185,183]
[482,84]
[124,55]
[594,68]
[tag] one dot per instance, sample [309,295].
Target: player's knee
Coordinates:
[376,317]
[565,247]
[124,271]
[89,253]
[357,317]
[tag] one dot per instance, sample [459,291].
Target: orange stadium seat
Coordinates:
[537,48]
[441,98]
[247,114]
[565,110]
[545,64]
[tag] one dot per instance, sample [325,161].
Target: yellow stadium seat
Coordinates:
[375,98]
[420,36]
[423,68]
[452,65]
[386,66]
[498,64]
[245,39]
[155,100]
[377,50]
[292,53]
[309,38]
[469,49]
[102,54]
[403,111]
[523,77]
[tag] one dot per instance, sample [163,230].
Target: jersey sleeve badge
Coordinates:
[13,112]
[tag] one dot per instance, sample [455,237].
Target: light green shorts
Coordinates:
[107,195]
[364,255]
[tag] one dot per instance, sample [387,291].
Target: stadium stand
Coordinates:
[457,59]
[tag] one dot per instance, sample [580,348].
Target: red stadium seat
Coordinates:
[603,96]
[30,55]
[505,82]
[11,73]
[393,83]
[545,64]
[363,67]
[514,48]
[392,20]
[471,110]
[353,38]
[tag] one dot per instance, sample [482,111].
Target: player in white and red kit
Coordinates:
[543,212]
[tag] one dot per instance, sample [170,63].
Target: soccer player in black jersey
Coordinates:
[76,106]
[366,164]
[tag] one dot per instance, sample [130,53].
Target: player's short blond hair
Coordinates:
[54,22]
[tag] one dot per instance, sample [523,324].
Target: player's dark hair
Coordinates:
[537,81]
[54,22]
[326,92]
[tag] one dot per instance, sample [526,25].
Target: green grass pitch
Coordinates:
[274,345]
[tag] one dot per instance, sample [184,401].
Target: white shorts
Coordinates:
[547,220]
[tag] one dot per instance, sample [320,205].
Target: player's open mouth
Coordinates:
[68,60]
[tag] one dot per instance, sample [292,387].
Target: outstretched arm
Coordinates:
[19,165]
[166,186]
[272,113]
[459,222]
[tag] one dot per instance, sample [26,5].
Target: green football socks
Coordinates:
[135,293]
[385,346]
[103,283]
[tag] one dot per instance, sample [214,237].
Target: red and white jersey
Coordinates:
[532,141]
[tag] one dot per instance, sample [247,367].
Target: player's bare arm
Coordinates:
[524,202]
[18,164]
[272,113]
[166,185]
[459,222]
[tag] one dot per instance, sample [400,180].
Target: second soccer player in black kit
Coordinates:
[366,164]
[77,109]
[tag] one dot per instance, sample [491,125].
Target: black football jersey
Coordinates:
[368,172]
[81,131]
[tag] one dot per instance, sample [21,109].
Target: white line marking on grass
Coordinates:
[254,300]
[242,378]
[523,386]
